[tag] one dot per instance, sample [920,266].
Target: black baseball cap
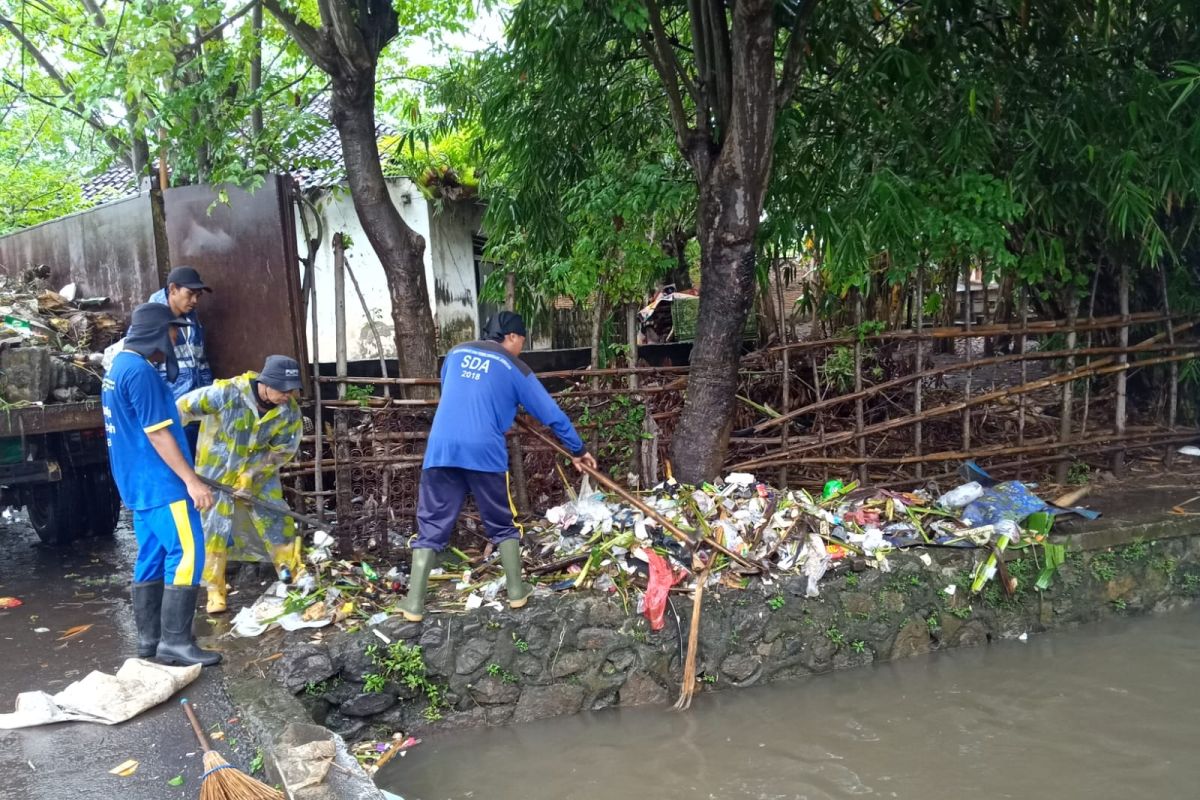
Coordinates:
[502,324]
[188,278]
[281,373]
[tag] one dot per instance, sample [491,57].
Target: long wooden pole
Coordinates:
[633,500]
[1118,461]
[918,366]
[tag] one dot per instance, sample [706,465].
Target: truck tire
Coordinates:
[56,510]
[102,504]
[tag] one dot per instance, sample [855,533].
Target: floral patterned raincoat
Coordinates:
[243,448]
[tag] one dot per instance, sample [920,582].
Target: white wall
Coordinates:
[456,296]
[337,210]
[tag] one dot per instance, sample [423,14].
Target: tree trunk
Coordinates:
[733,185]
[400,249]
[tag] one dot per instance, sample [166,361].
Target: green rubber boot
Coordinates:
[413,606]
[510,557]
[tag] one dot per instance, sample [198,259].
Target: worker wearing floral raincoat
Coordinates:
[250,426]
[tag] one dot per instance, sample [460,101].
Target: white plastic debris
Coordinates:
[68,292]
[926,560]
[739,479]
[816,562]
[961,496]
[1190,450]
[950,590]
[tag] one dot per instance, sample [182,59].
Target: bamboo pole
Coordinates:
[1022,348]
[919,366]
[1033,446]
[858,384]
[956,332]
[339,309]
[951,408]
[1064,425]
[318,417]
[383,370]
[968,353]
[636,502]
[1148,346]
[516,453]
[1087,385]
[785,388]
[1173,390]
[1118,462]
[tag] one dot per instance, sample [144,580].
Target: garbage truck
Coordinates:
[53,450]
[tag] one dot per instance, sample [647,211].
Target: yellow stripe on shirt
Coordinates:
[158,426]
[186,570]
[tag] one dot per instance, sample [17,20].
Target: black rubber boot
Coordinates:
[178,643]
[147,614]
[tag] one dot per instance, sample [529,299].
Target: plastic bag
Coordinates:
[961,496]
[662,578]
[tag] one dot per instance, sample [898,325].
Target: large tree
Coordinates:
[346,43]
[716,75]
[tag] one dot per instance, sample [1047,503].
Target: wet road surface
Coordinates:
[1105,712]
[88,585]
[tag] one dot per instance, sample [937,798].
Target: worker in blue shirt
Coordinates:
[482,385]
[182,294]
[152,466]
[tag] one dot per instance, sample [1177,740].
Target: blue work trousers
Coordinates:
[170,544]
[440,499]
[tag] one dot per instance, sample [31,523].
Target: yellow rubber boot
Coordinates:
[286,559]
[216,587]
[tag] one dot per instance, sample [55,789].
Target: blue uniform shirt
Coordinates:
[138,402]
[482,385]
[194,372]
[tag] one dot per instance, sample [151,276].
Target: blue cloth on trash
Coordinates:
[1010,500]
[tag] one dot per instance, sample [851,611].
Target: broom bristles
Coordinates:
[229,783]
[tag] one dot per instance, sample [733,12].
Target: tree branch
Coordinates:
[307,38]
[793,64]
[658,48]
[97,15]
[346,36]
[722,70]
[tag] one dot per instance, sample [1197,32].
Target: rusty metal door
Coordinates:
[245,249]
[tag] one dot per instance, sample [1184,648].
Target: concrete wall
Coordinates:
[449,272]
[576,652]
[456,296]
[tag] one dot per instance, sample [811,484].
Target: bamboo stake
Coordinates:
[1118,462]
[918,399]
[1064,425]
[858,384]
[951,408]
[1173,391]
[1147,346]
[785,393]
[633,500]
[1022,348]
[967,354]
[339,309]
[688,687]
[956,332]
[1087,385]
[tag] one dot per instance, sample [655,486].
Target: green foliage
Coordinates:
[359,394]
[404,664]
[851,580]
[858,646]
[776,602]
[1104,566]
[256,763]
[1079,473]
[619,424]
[833,634]
[519,644]
[497,671]
[1136,551]
[961,612]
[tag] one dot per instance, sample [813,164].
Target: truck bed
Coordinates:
[54,418]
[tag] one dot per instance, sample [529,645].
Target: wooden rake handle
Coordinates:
[273,508]
[637,503]
[191,715]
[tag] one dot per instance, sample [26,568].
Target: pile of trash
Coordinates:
[738,531]
[51,342]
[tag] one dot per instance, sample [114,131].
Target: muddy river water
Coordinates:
[1106,711]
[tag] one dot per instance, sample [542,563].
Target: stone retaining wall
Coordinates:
[579,652]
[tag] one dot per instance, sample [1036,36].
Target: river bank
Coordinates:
[580,652]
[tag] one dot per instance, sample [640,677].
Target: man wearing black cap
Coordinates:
[152,467]
[483,383]
[182,295]
[250,426]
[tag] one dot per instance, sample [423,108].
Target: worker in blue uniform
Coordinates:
[182,294]
[483,383]
[152,466]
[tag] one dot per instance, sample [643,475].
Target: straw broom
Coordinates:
[221,780]
[688,688]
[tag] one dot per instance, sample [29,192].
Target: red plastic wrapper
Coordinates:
[662,578]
